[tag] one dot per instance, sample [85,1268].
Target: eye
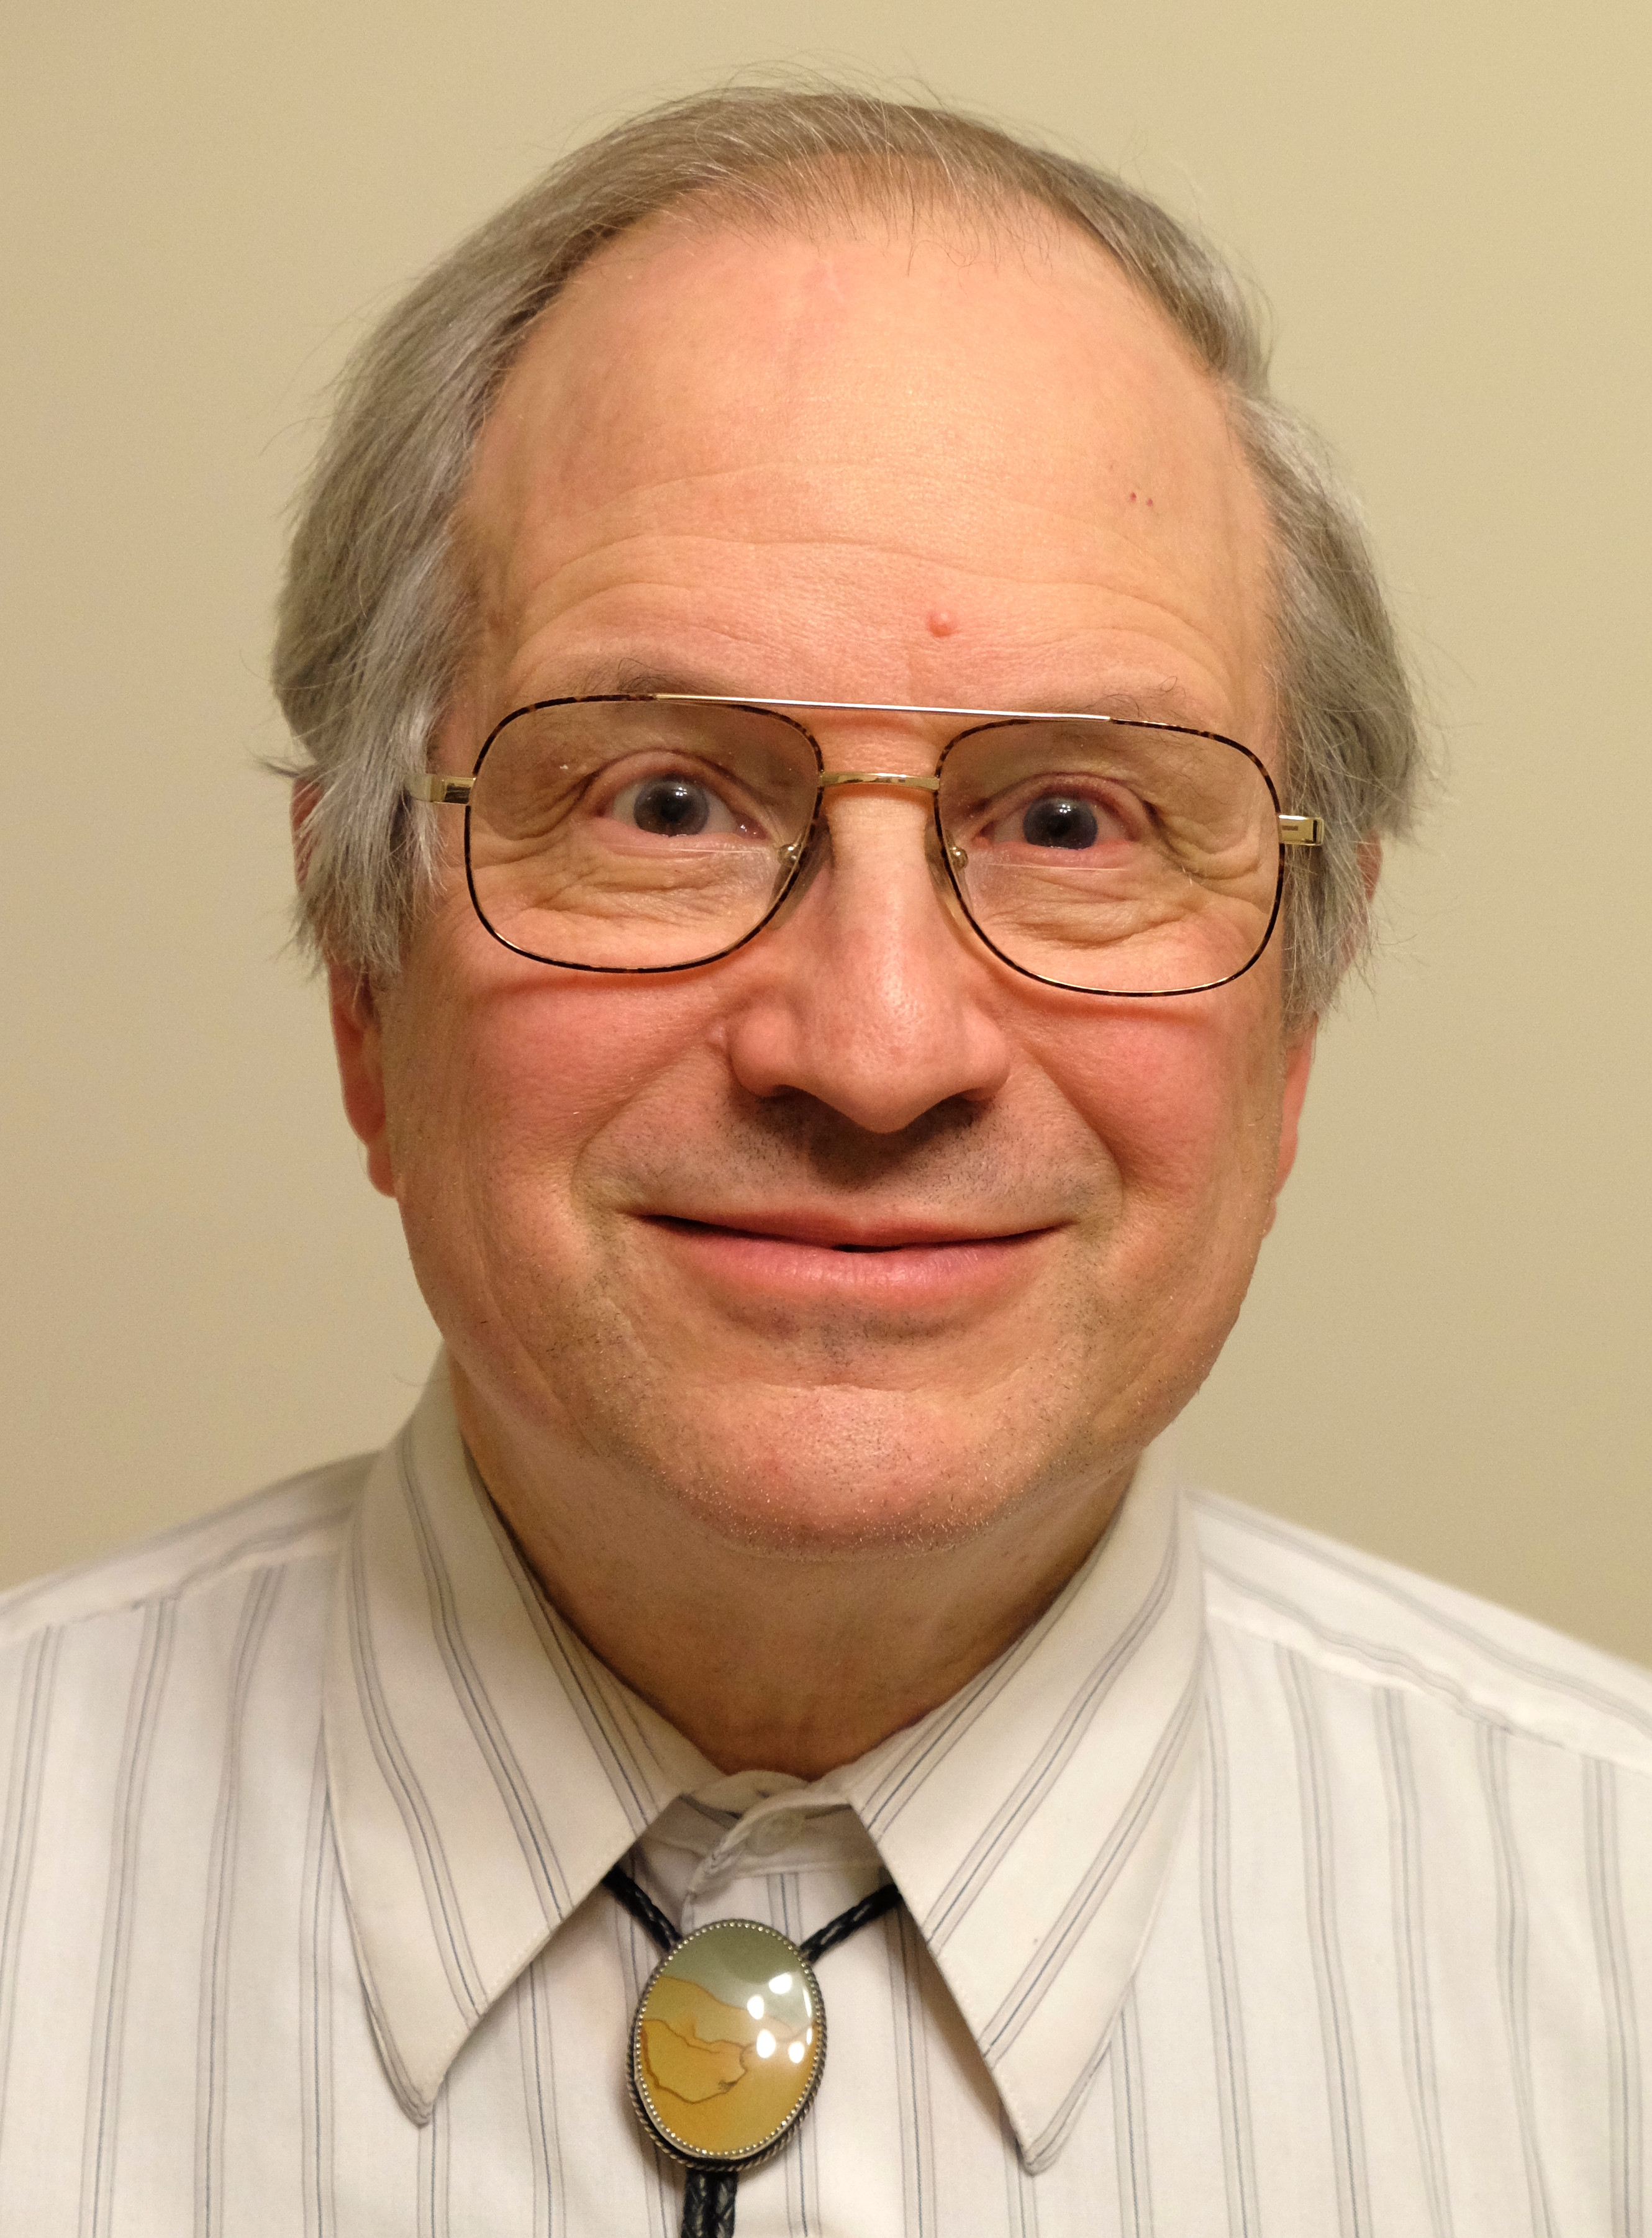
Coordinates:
[1059,819]
[672,807]
[1054,814]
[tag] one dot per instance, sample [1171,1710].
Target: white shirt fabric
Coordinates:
[1260,1888]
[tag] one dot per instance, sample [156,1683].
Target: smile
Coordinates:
[822,1232]
[816,1259]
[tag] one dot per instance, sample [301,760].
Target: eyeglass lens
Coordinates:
[650,835]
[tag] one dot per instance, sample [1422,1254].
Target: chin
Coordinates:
[840,1480]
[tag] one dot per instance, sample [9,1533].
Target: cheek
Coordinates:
[1184,1099]
[509,1074]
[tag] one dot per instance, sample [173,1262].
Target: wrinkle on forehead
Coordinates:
[1009,404]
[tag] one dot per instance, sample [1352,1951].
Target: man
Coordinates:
[846,741]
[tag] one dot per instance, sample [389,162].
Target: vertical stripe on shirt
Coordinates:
[1337,2035]
[1021,2197]
[211,2089]
[433,2156]
[1605,1866]
[1129,2124]
[905,1952]
[1410,1948]
[538,2054]
[319,1897]
[108,2020]
[30,1727]
[802,2161]
[1492,1749]
[661,2180]
[1227,2014]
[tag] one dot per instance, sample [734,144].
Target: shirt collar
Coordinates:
[485,1770]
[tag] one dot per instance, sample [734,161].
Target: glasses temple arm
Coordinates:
[452,791]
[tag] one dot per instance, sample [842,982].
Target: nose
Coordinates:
[868,994]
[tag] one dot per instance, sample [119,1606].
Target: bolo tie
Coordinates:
[729,2043]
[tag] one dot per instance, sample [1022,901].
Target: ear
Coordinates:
[1299,1057]
[359,1041]
[356,1035]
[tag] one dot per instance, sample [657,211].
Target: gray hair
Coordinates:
[375,617]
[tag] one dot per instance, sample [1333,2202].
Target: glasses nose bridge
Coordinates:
[929,785]
[868,742]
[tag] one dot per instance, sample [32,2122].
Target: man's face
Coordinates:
[855,1237]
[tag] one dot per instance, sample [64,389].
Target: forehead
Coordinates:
[717,430]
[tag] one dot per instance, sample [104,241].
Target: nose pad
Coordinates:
[809,856]
[944,856]
[947,863]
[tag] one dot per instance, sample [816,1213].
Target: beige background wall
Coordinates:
[1444,1355]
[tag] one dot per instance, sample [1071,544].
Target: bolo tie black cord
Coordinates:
[708,2202]
[643,1908]
[709,2191]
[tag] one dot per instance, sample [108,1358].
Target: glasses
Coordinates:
[654,832]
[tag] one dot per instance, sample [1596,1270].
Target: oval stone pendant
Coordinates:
[727,2045]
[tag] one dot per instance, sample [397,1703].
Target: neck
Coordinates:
[767,1658]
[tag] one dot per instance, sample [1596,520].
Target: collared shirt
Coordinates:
[1258,1888]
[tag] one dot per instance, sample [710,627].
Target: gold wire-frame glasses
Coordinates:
[646,833]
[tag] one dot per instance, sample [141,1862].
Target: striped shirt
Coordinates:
[1259,1888]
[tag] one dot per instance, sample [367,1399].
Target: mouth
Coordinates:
[822,1232]
[804,1260]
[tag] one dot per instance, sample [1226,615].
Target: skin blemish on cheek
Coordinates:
[941,623]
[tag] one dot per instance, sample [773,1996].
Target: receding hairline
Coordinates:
[972,216]
[840,196]
[833,195]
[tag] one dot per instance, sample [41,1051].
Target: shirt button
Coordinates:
[773,1835]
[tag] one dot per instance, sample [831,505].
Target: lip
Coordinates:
[830,1231]
[820,1257]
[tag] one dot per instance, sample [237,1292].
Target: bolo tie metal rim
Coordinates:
[775,2142]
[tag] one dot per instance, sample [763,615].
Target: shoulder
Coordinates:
[152,1703]
[1273,1584]
[299,1521]
[142,1666]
